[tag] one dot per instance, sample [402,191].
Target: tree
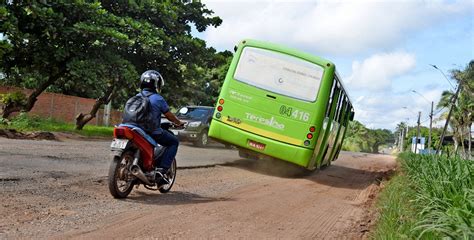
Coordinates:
[206,82]
[44,41]
[356,138]
[378,137]
[360,138]
[96,49]
[120,74]
[169,46]
[463,109]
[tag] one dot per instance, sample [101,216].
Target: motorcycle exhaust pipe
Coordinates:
[137,171]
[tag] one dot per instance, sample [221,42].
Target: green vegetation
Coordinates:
[432,198]
[361,139]
[460,122]
[98,49]
[424,132]
[23,122]
[463,109]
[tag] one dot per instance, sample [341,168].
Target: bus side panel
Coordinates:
[319,143]
[331,142]
[329,129]
[337,144]
[339,136]
[346,126]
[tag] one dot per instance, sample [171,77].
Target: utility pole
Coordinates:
[417,132]
[431,116]
[431,126]
[453,101]
[401,141]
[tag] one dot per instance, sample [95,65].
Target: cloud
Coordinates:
[328,27]
[377,72]
[377,110]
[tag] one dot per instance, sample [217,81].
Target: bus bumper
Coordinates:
[243,139]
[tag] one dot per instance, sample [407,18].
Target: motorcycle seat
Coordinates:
[141,132]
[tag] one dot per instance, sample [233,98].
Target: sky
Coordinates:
[382,49]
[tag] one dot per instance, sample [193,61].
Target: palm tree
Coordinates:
[462,114]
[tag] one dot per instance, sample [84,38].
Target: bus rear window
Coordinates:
[279,73]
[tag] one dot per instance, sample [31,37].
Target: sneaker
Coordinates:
[163,181]
[161,176]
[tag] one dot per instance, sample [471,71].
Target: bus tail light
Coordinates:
[220,108]
[309,136]
[221,101]
[312,129]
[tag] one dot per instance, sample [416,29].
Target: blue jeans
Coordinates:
[171,143]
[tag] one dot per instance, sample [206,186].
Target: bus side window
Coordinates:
[339,103]
[347,113]
[351,117]
[330,99]
[342,109]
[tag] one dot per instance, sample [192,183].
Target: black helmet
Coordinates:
[151,79]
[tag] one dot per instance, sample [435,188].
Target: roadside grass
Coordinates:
[23,122]
[431,198]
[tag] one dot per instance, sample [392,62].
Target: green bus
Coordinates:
[281,103]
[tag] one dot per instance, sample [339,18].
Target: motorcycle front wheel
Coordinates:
[171,174]
[121,181]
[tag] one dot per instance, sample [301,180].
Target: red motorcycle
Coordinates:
[133,163]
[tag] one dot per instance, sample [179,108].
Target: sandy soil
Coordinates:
[57,190]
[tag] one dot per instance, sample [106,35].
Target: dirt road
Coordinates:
[53,189]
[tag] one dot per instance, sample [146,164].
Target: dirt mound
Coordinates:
[14,134]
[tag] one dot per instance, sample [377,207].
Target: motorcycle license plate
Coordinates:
[119,143]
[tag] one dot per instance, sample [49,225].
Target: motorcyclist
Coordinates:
[151,82]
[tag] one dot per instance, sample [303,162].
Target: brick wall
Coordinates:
[64,107]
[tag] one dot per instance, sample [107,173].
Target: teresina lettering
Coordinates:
[269,122]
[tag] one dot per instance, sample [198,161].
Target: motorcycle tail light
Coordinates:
[119,133]
[122,133]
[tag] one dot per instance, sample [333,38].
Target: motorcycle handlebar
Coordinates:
[168,125]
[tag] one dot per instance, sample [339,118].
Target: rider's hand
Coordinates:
[180,124]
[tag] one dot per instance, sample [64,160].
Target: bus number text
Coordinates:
[294,113]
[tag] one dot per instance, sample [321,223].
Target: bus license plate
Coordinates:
[119,143]
[257,145]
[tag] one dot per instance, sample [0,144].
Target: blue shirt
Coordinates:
[158,106]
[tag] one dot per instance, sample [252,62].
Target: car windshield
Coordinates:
[193,113]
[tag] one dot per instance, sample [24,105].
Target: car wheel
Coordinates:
[203,139]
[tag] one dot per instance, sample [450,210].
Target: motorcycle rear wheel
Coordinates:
[120,182]
[171,178]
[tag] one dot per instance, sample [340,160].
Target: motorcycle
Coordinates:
[134,153]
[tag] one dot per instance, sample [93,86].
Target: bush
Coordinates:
[445,188]
[28,122]
[432,198]
[17,98]
[25,122]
